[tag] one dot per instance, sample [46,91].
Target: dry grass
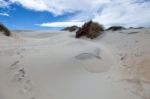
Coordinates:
[115,28]
[5,30]
[71,28]
[90,29]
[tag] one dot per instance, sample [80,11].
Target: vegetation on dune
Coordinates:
[71,28]
[139,28]
[136,28]
[131,27]
[4,30]
[90,29]
[115,28]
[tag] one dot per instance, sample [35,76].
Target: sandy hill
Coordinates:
[56,65]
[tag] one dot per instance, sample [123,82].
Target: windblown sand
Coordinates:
[56,65]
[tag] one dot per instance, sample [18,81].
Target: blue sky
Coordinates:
[20,18]
[56,14]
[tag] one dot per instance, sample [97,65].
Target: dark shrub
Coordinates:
[90,29]
[131,27]
[139,28]
[115,28]
[4,30]
[71,28]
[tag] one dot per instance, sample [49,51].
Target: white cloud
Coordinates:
[125,12]
[61,24]
[4,14]
[59,7]
[107,12]
[3,3]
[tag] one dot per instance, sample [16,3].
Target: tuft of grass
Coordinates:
[71,28]
[139,28]
[5,30]
[116,28]
[90,29]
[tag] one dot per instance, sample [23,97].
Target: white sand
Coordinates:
[55,65]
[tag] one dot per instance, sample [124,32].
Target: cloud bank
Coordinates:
[4,14]
[60,24]
[107,12]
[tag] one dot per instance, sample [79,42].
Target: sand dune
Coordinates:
[55,65]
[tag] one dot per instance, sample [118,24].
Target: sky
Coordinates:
[56,14]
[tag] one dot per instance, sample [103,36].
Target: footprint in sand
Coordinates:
[20,77]
[87,56]
[15,65]
[139,79]
[93,62]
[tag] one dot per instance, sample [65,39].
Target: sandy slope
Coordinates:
[55,65]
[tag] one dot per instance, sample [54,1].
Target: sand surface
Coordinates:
[55,65]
